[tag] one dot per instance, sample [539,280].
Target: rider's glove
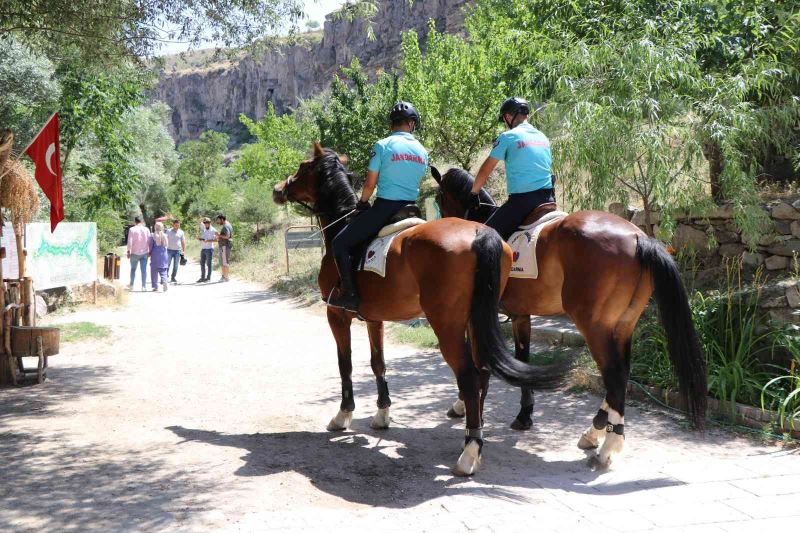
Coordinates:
[362,206]
[474,201]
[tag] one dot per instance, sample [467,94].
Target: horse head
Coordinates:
[321,183]
[453,195]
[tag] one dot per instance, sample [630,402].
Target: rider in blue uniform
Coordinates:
[526,152]
[397,166]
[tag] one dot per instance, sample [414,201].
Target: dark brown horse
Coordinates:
[600,270]
[452,271]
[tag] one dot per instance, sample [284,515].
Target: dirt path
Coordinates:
[207,410]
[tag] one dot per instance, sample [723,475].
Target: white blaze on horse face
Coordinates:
[341,421]
[381,419]
[614,443]
[469,461]
[591,437]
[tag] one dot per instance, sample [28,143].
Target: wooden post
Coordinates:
[29,302]
[19,234]
[7,374]
[94,292]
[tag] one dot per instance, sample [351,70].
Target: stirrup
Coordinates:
[341,299]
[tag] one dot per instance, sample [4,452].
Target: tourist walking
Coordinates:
[176,247]
[225,243]
[208,235]
[158,257]
[138,250]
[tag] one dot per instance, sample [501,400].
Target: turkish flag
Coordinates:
[46,154]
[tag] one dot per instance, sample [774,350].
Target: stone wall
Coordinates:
[713,237]
[214,98]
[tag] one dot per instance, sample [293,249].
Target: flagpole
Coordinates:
[37,135]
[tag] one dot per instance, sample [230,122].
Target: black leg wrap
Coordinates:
[600,419]
[348,403]
[619,429]
[383,394]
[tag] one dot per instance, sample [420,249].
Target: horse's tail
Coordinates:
[488,344]
[676,318]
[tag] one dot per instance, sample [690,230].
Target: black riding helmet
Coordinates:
[514,106]
[405,111]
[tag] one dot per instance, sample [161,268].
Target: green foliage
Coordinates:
[93,111]
[28,92]
[106,31]
[782,393]
[255,204]
[199,169]
[456,87]
[282,144]
[357,114]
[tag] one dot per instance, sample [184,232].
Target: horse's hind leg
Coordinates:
[381,419]
[340,322]
[612,354]
[521,326]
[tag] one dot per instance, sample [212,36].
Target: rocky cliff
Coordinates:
[213,98]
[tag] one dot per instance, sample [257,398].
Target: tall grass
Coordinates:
[782,393]
[736,337]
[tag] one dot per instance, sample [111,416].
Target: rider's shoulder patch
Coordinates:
[495,142]
[372,154]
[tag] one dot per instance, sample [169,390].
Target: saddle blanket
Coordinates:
[377,251]
[523,244]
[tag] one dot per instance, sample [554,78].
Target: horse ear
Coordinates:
[436,175]
[318,151]
[344,159]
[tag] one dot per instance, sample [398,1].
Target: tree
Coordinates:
[282,144]
[356,115]
[109,30]
[200,167]
[312,25]
[29,91]
[255,205]
[457,87]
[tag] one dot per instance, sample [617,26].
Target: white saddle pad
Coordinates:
[523,244]
[375,258]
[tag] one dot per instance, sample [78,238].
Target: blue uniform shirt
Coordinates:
[526,152]
[401,162]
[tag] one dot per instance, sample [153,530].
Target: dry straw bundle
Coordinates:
[17,190]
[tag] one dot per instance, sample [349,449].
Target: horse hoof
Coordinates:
[469,461]
[381,419]
[457,410]
[611,448]
[341,421]
[586,443]
[521,425]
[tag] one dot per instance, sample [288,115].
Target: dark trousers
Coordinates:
[206,255]
[361,228]
[511,214]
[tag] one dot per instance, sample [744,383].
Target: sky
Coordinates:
[315,10]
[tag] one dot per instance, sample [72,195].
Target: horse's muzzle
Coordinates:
[279,194]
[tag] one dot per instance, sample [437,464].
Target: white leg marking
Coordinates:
[614,443]
[591,437]
[381,419]
[341,421]
[459,408]
[469,461]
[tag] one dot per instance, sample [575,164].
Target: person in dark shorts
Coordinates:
[529,178]
[225,243]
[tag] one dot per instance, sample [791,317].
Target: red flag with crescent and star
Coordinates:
[46,154]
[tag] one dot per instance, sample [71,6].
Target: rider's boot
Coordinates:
[346,296]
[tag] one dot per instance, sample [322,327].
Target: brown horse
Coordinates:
[452,271]
[600,270]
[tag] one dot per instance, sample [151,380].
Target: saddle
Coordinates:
[373,255]
[523,241]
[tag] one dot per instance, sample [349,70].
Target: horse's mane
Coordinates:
[335,185]
[458,183]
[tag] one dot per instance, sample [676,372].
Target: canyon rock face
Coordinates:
[213,98]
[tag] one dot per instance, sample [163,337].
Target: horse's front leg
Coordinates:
[381,419]
[339,322]
[521,326]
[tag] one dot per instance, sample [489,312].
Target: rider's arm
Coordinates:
[369,186]
[483,174]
